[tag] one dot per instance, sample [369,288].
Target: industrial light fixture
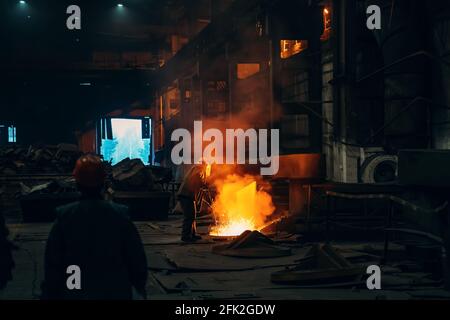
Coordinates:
[120,5]
[22,2]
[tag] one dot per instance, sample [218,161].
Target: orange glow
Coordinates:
[239,206]
[246,70]
[208,170]
[326,24]
[289,48]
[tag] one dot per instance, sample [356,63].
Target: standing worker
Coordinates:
[98,238]
[193,181]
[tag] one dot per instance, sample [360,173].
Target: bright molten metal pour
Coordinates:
[239,206]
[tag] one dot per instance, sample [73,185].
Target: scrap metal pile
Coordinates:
[132,175]
[37,179]
[52,187]
[129,182]
[54,159]
[127,175]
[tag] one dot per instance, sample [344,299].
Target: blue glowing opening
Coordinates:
[12,134]
[126,138]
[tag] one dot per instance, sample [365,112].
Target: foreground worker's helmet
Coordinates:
[89,171]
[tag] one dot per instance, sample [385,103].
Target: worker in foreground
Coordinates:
[94,250]
[6,258]
[193,181]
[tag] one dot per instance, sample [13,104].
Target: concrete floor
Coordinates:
[180,271]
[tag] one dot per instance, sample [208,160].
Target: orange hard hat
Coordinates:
[89,171]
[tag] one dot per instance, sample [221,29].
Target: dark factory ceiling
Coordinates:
[50,73]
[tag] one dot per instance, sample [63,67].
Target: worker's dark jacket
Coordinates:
[99,237]
[192,182]
[6,259]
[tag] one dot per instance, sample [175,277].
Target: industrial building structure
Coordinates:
[363,117]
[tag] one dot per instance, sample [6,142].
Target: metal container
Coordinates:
[144,205]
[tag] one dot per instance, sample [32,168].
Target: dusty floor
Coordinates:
[192,271]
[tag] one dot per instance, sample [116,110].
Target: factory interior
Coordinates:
[362,175]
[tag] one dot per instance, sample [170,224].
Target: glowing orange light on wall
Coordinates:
[289,48]
[326,25]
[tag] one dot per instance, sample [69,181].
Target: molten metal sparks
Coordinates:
[233,228]
[208,170]
[239,206]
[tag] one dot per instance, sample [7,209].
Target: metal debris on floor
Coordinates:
[321,264]
[196,271]
[252,244]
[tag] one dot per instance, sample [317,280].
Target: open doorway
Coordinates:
[122,138]
[7,134]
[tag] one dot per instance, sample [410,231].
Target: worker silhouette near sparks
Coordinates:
[193,181]
[96,238]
